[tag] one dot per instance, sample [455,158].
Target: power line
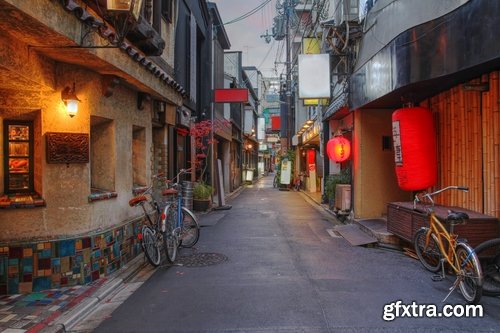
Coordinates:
[248,14]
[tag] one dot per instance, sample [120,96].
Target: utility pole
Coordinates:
[281,30]
[288,92]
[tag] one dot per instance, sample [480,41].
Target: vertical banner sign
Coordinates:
[286,167]
[396,135]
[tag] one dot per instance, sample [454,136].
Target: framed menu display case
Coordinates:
[18,156]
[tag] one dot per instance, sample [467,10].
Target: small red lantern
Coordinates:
[338,149]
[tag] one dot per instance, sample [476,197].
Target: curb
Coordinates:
[321,207]
[73,316]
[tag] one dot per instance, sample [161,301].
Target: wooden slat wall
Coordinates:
[468,132]
[491,145]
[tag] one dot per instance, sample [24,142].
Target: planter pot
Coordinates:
[201,205]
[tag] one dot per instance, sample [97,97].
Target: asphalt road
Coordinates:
[270,265]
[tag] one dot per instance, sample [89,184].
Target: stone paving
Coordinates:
[32,312]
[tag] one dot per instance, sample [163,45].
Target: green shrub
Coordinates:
[344,177]
[202,191]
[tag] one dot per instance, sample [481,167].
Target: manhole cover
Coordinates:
[201,259]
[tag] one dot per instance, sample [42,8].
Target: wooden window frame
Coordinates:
[7,156]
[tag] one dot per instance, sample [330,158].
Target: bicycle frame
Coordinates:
[437,228]
[458,254]
[178,202]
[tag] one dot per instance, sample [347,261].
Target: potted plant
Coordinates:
[202,196]
[203,139]
[344,177]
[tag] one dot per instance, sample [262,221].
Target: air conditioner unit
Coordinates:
[343,196]
[349,11]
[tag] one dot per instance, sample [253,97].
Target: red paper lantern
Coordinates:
[338,149]
[311,156]
[414,148]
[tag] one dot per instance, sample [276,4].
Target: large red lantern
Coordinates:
[414,148]
[338,149]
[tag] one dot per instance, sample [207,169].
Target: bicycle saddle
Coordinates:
[169,191]
[456,217]
[136,200]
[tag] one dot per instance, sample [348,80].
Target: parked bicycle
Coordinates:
[150,235]
[179,225]
[489,257]
[435,246]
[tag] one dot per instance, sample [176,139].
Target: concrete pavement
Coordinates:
[272,266]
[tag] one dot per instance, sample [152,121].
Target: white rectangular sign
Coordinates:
[314,76]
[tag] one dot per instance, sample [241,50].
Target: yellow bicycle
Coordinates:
[435,246]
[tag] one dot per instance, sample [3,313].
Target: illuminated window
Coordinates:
[18,156]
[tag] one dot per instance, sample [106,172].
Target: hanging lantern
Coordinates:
[414,148]
[311,156]
[338,149]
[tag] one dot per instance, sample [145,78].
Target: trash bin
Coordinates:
[187,194]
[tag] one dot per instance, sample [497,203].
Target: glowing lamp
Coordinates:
[71,101]
[338,149]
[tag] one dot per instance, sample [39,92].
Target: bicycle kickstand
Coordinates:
[440,277]
[453,287]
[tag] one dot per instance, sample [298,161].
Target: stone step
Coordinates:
[354,235]
[378,229]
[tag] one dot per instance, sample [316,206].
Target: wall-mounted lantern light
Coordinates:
[71,101]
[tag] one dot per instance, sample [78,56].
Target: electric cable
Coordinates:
[248,14]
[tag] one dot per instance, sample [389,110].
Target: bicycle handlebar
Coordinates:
[175,180]
[430,195]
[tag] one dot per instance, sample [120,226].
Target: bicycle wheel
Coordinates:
[190,228]
[489,258]
[150,246]
[170,241]
[471,279]
[429,254]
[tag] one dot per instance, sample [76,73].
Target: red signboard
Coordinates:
[239,95]
[275,123]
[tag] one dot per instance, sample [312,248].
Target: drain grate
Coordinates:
[201,259]
[334,233]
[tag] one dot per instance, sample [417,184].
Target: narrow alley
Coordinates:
[270,265]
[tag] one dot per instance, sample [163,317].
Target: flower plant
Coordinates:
[203,139]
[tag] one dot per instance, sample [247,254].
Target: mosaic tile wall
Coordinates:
[32,267]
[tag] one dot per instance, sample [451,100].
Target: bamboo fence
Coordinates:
[468,132]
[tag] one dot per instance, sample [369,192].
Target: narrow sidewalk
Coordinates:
[56,310]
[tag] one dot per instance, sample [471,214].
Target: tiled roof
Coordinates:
[108,33]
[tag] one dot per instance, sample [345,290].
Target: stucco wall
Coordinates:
[375,181]
[66,188]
